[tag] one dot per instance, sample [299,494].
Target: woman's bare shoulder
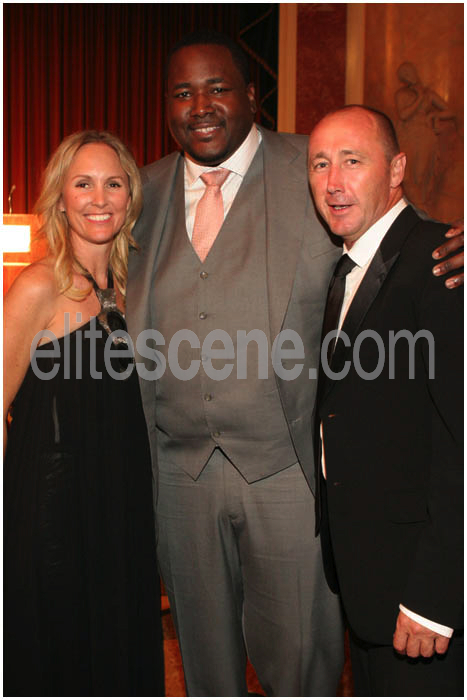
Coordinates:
[34,292]
[36,280]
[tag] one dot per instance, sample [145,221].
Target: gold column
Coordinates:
[355,54]
[287,78]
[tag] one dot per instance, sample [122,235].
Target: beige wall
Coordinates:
[353,53]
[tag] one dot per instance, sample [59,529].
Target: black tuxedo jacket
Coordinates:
[393,442]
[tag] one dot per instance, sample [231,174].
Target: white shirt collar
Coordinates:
[366,246]
[239,162]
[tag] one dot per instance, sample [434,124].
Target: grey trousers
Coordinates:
[244,576]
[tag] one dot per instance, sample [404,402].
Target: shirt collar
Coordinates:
[239,162]
[366,246]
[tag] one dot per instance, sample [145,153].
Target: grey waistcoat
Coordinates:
[226,293]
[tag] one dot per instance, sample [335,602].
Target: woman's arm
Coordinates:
[28,308]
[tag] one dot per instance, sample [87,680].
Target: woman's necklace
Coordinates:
[111,318]
[107,298]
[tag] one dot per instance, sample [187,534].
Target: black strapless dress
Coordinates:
[81,587]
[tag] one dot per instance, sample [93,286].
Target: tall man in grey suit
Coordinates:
[232,443]
[236,541]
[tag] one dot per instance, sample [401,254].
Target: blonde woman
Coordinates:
[81,589]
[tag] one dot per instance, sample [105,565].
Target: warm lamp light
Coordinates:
[19,245]
[15,238]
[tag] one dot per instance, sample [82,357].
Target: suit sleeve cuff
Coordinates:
[429,624]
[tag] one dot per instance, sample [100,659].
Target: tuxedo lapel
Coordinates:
[383,260]
[364,298]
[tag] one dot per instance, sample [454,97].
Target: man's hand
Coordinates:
[415,640]
[456,241]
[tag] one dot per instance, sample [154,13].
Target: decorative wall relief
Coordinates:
[414,71]
[428,132]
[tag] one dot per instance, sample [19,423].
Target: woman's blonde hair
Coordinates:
[54,224]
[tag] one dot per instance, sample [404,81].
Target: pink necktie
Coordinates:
[209,212]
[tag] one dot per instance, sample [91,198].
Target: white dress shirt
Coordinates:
[362,252]
[238,164]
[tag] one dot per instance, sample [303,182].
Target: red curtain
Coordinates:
[76,66]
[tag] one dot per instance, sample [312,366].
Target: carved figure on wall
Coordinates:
[427,131]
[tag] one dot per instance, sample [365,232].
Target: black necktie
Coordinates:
[335,299]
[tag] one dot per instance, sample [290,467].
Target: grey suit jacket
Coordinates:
[300,259]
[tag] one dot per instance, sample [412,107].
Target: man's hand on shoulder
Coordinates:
[455,241]
[414,639]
